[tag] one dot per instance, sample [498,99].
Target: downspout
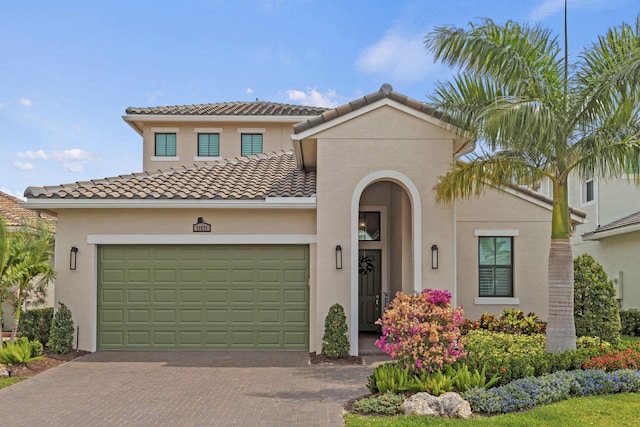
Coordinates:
[454,300]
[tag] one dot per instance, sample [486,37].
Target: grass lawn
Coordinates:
[6,382]
[615,410]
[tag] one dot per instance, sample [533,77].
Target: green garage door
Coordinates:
[203,297]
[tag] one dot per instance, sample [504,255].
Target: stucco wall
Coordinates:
[383,143]
[500,211]
[77,288]
[276,137]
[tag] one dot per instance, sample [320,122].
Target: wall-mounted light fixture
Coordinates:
[338,257]
[434,257]
[73,258]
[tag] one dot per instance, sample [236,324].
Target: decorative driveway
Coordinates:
[186,389]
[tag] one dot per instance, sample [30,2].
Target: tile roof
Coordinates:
[629,220]
[13,213]
[257,108]
[385,91]
[242,178]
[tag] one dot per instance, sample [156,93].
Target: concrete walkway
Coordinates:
[186,389]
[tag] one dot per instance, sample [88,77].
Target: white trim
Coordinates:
[269,203]
[191,239]
[206,159]
[94,323]
[165,158]
[496,233]
[416,237]
[207,130]
[496,301]
[252,130]
[165,130]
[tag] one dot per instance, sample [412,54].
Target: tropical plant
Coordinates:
[335,343]
[595,308]
[19,352]
[29,268]
[61,334]
[4,259]
[539,117]
[35,324]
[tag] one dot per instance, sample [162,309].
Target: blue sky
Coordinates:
[69,69]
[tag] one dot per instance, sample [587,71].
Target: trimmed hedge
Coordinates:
[35,324]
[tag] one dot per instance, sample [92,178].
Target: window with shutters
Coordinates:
[496,266]
[208,145]
[251,144]
[165,145]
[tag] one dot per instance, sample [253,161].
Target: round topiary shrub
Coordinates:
[335,343]
[595,308]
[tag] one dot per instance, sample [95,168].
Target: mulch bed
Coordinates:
[319,359]
[50,361]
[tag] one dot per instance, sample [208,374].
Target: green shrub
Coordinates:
[592,342]
[335,342]
[484,347]
[630,322]
[61,335]
[35,324]
[528,392]
[18,352]
[36,348]
[595,308]
[384,404]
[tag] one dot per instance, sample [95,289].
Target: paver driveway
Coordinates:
[185,389]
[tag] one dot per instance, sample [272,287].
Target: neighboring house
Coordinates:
[220,246]
[13,214]
[611,233]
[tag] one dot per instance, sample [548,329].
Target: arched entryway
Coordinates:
[386,246]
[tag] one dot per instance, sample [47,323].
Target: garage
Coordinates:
[232,297]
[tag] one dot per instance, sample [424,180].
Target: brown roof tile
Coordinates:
[258,108]
[242,178]
[386,91]
[13,213]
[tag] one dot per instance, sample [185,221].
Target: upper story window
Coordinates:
[208,145]
[251,143]
[496,266]
[165,145]
[588,189]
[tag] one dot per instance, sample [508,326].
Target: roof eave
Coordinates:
[268,203]
[597,235]
[213,118]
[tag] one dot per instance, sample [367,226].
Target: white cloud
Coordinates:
[72,154]
[397,57]
[26,102]
[249,91]
[314,98]
[32,155]
[73,166]
[24,166]
[153,96]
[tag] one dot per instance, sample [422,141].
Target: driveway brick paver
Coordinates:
[185,389]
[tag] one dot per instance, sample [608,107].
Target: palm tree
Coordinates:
[29,266]
[537,117]
[4,259]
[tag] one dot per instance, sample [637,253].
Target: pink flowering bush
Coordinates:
[422,331]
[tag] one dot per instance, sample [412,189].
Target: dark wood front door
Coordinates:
[369,289]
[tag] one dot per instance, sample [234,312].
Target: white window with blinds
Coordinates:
[495,266]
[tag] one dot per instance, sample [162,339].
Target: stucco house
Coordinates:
[253,218]
[13,214]
[611,232]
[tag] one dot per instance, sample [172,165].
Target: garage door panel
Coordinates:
[199,297]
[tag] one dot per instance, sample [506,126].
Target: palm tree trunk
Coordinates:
[561,327]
